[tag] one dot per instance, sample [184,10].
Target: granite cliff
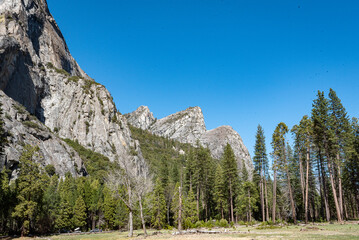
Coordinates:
[188,126]
[38,71]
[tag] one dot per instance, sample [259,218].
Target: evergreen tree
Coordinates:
[246,200]
[29,192]
[158,210]
[190,210]
[79,216]
[229,166]
[50,204]
[64,217]
[109,208]
[177,206]
[342,142]
[219,191]
[280,163]
[260,161]
[6,199]
[324,138]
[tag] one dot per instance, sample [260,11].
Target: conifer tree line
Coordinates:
[314,179]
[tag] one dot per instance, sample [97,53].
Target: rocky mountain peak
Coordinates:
[188,126]
[185,126]
[141,118]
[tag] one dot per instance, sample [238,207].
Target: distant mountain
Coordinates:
[188,126]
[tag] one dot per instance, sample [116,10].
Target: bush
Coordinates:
[50,65]
[187,223]
[50,170]
[62,71]
[74,79]
[32,125]
[19,108]
[199,224]
[87,127]
[223,223]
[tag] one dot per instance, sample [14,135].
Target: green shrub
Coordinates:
[87,127]
[19,108]
[74,79]
[96,164]
[32,125]
[50,65]
[187,223]
[50,170]
[223,223]
[62,71]
[133,152]
[199,224]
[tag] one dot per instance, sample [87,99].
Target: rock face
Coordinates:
[215,140]
[185,126]
[188,126]
[38,71]
[141,118]
[23,128]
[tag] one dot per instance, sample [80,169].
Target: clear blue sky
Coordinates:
[242,62]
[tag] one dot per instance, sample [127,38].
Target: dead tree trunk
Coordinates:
[142,218]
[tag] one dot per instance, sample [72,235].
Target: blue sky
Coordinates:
[243,62]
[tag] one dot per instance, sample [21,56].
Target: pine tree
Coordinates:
[64,216]
[324,139]
[28,188]
[177,206]
[342,142]
[247,200]
[260,161]
[220,191]
[229,166]
[303,138]
[158,210]
[190,210]
[6,199]
[109,208]
[79,216]
[50,204]
[280,163]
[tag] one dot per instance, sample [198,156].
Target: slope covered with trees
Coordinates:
[315,179]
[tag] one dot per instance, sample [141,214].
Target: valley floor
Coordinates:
[349,230]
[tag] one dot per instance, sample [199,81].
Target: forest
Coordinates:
[310,173]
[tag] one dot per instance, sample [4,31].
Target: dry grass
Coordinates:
[349,230]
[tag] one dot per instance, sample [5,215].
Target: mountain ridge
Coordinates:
[188,126]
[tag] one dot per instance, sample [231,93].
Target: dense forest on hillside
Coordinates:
[315,179]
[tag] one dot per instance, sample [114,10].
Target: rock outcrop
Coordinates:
[23,128]
[141,118]
[38,71]
[216,139]
[188,126]
[185,126]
